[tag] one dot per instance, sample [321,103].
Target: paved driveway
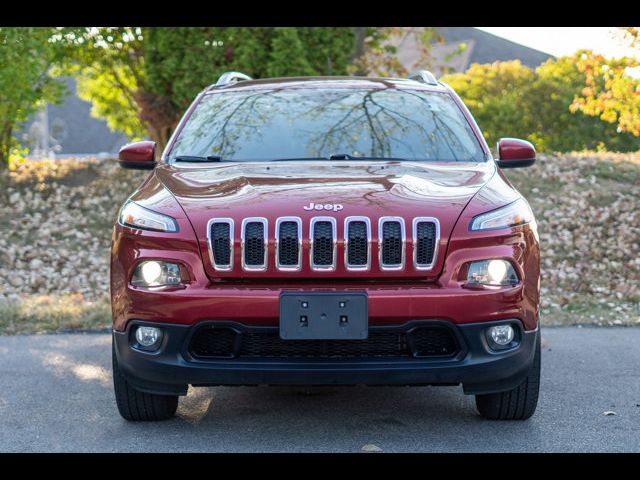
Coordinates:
[56,395]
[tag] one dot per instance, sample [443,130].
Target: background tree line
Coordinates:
[141,79]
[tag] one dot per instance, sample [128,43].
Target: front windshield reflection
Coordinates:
[292,123]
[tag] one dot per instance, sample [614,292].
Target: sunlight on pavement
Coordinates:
[196,403]
[61,365]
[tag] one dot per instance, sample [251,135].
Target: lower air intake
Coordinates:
[433,341]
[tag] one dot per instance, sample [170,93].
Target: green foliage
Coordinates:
[609,93]
[26,57]
[107,63]
[288,54]
[142,79]
[509,99]
[109,91]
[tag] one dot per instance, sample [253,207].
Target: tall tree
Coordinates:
[609,92]
[142,79]
[26,58]
[511,99]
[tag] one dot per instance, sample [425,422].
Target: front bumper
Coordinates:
[477,367]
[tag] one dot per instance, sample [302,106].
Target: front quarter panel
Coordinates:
[130,246]
[519,244]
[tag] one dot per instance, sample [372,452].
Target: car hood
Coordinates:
[278,189]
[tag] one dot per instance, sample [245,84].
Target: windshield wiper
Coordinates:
[346,156]
[190,158]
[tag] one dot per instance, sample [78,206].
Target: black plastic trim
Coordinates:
[138,165]
[480,369]
[516,163]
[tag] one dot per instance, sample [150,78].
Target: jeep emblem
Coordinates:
[336,207]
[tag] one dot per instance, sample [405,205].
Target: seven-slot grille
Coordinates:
[391,241]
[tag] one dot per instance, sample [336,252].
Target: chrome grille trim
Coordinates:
[403,242]
[265,223]
[216,266]
[357,268]
[288,268]
[323,268]
[414,225]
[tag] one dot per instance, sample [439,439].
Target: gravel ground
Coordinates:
[56,396]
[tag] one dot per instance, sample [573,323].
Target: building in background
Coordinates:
[70,130]
[477,47]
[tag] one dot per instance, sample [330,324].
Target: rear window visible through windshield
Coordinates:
[301,123]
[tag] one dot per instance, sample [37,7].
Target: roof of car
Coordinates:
[325,82]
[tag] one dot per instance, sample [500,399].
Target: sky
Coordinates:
[566,40]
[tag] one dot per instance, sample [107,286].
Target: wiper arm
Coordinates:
[341,156]
[190,158]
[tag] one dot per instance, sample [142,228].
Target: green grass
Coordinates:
[51,313]
[621,172]
[587,311]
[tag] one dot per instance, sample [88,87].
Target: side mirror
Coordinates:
[138,155]
[514,153]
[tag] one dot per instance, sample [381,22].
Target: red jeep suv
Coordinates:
[326,231]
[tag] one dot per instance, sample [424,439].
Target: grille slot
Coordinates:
[288,239]
[220,237]
[424,342]
[435,341]
[358,239]
[214,343]
[323,231]
[254,255]
[392,239]
[425,242]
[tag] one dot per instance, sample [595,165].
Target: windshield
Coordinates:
[307,123]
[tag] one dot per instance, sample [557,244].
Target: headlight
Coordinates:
[135,216]
[492,272]
[156,274]
[516,213]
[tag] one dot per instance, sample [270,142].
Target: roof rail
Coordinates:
[229,78]
[424,76]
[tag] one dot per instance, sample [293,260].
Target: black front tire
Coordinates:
[135,405]
[516,404]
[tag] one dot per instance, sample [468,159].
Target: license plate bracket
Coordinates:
[324,316]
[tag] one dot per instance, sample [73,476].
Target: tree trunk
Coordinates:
[160,135]
[159,115]
[359,35]
[6,138]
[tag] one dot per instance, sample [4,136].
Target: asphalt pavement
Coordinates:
[56,395]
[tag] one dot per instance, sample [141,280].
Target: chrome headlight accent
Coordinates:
[514,214]
[135,216]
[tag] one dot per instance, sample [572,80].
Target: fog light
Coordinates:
[149,337]
[501,335]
